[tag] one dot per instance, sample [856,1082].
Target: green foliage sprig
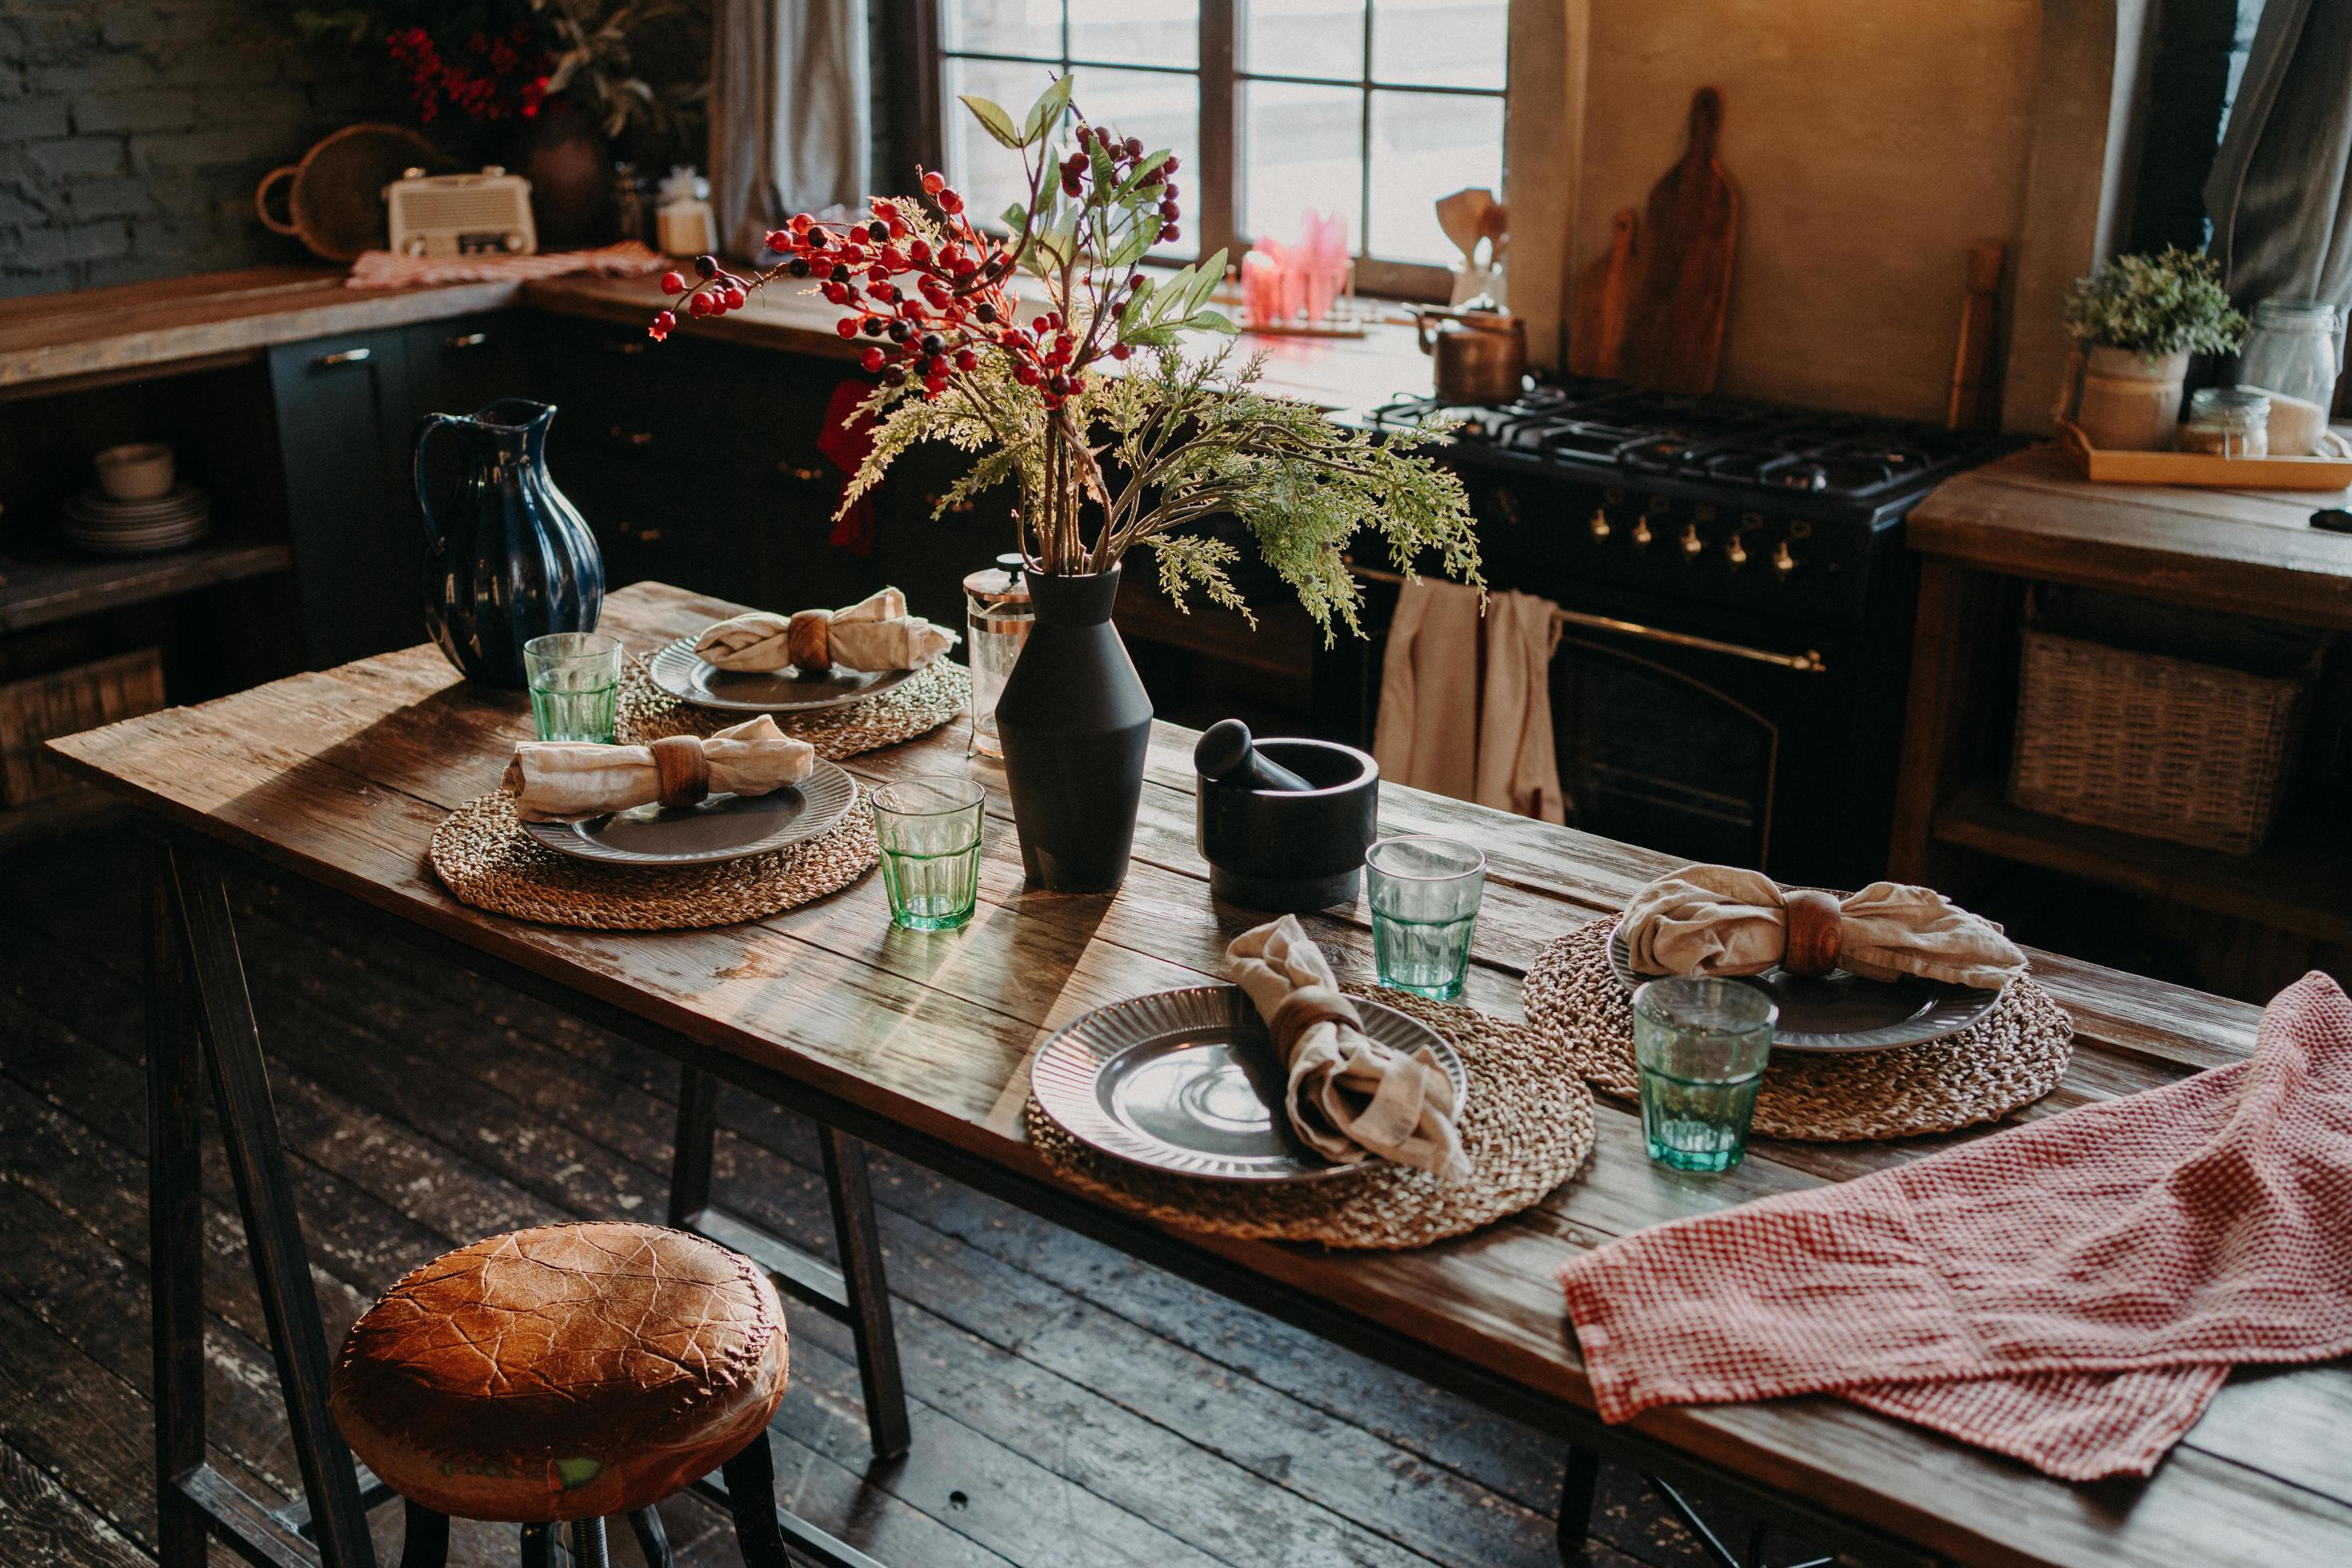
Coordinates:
[2155,305]
[1105,462]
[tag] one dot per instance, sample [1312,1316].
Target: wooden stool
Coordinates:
[565,1374]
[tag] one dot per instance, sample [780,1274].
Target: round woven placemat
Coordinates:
[940,692]
[2013,1058]
[1526,1127]
[482,856]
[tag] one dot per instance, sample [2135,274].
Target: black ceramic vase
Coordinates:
[507,558]
[1076,722]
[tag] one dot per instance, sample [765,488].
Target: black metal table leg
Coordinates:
[175,1220]
[1577,1487]
[857,1292]
[273,1232]
[690,1154]
[860,1240]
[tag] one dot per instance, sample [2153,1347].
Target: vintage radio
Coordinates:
[486,214]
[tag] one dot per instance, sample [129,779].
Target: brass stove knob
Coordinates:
[1600,524]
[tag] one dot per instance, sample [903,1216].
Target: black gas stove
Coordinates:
[1736,602]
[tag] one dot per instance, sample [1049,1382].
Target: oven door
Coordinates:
[1731,746]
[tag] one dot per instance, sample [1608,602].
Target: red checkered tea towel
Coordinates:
[2070,1293]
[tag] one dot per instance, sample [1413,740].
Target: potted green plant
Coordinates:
[1112,432]
[2135,322]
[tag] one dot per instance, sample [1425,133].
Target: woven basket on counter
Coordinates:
[2151,720]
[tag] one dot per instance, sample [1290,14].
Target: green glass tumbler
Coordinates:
[1425,892]
[1701,1046]
[575,685]
[929,830]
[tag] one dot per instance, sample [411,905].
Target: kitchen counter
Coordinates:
[2033,515]
[1985,537]
[54,342]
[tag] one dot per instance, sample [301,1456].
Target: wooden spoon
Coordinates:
[1460,215]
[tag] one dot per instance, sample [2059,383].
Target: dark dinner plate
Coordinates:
[678,670]
[724,827]
[1189,1081]
[1840,1013]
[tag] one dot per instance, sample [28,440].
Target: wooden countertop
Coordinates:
[60,338]
[2030,514]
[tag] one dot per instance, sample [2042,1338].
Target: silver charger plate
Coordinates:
[677,670]
[1840,1014]
[1189,1081]
[723,827]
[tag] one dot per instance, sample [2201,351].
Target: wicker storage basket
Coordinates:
[2159,721]
[67,702]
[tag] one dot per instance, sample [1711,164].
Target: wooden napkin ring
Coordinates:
[1815,923]
[682,770]
[808,638]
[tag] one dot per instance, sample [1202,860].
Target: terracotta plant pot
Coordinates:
[2131,401]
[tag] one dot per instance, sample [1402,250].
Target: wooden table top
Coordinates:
[341,776]
[2032,514]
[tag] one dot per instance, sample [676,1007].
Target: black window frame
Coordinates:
[911,63]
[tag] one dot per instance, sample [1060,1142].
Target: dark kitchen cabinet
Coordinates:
[343,406]
[457,367]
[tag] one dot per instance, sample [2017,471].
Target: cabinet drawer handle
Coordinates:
[797,471]
[346,356]
[465,340]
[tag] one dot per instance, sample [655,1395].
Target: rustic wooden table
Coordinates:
[920,1045]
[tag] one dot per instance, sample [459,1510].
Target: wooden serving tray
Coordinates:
[2202,467]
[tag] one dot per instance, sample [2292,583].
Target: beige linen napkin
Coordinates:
[1720,920]
[1351,1097]
[876,633]
[564,781]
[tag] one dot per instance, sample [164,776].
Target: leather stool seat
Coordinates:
[569,1372]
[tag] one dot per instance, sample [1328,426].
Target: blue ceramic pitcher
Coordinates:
[507,558]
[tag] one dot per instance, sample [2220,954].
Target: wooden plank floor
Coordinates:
[1072,1408]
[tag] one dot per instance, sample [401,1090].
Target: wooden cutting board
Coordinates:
[1676,334]
[1596,333]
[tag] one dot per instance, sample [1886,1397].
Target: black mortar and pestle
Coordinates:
[1284,824]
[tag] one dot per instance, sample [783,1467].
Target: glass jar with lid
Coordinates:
[997,619]
[2228,422]
[2290,354]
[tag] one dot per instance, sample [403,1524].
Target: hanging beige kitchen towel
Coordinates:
[1518,767]
[1427,733]
[1350,1096]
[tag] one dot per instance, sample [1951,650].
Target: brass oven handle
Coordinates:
[1809,662]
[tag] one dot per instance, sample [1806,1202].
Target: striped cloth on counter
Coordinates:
[385,269]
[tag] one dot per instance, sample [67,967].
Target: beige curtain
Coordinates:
[791,123]
[2281,191]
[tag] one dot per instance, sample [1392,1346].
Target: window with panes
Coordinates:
[1369,109]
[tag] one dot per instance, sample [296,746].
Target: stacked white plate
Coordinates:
[95,521]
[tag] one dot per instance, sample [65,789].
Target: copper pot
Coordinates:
[1480,356]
